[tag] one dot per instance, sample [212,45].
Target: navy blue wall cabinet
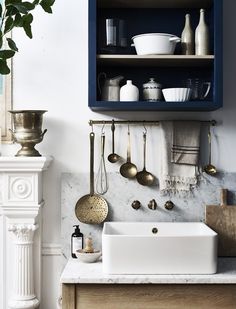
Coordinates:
[170,70]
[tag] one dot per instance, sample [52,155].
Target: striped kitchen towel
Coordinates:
[186,142]
[178,179]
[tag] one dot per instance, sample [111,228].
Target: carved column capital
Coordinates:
[23,233]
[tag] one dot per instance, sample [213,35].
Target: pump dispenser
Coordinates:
[77,241]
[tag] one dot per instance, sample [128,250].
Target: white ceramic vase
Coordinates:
[202,36]
[187,37]
[129,92]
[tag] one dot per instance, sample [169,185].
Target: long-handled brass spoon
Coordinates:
[128,169]
[144,177]
[209,168]
[113,157]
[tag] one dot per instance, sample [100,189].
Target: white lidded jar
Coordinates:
[187,37]
[129,92]
[202,42]
[152,91]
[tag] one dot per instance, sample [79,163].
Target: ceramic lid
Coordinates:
[152,82]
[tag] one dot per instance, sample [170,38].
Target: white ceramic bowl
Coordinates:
[176,94]
[155,43]
[88,257]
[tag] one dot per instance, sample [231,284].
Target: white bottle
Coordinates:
[187,38]
[129,92]
[202,36]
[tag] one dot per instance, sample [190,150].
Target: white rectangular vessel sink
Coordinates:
[159,248]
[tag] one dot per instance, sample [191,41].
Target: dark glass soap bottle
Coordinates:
[77,241]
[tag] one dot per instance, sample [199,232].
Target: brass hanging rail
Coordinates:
[147,122]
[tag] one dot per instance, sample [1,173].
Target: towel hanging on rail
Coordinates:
[174,178]
[186,142]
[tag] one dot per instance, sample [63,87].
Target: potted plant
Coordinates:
[16,13]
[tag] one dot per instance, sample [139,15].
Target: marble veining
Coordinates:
[77,272]
[123,192]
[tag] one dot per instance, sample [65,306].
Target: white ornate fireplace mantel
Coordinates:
[21,200]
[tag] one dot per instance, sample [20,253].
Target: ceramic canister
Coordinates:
[152,91]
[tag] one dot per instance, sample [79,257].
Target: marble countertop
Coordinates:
[77,272]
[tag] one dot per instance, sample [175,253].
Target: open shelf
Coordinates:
[154,106]
[151,16]
[155,60]
[155,4]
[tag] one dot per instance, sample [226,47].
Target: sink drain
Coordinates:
[154,230]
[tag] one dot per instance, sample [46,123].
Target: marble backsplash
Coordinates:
[123,192]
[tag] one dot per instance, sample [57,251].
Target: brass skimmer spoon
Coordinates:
[209,168]
[91,208]
[113,157]
[145,178]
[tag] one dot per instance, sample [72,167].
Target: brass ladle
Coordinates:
[144,178]
[113,157]
[209,168]
[128,169]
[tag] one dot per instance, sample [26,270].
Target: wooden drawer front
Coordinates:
[155,296]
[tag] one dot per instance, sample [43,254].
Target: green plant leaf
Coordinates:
[9,24]
[21,8]
[46,8]
[0,9]
[4,69]
[12,44]
[18,20]
[6,54]
[10,2]
[46,5]
[36,2]
[27,20]
[48,2]
[28,30]
[11,10]
[1,39]
[29,6]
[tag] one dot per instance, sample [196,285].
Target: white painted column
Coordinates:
[21,200]
[23,295]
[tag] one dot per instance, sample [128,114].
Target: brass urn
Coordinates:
[27,131]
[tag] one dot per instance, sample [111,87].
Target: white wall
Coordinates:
[51,72]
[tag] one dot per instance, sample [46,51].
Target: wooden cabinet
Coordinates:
[147,16]
[148,296]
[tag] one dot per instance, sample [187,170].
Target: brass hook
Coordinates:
[145,129]
[103,126]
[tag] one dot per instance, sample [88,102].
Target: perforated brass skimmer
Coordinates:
[91,208]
